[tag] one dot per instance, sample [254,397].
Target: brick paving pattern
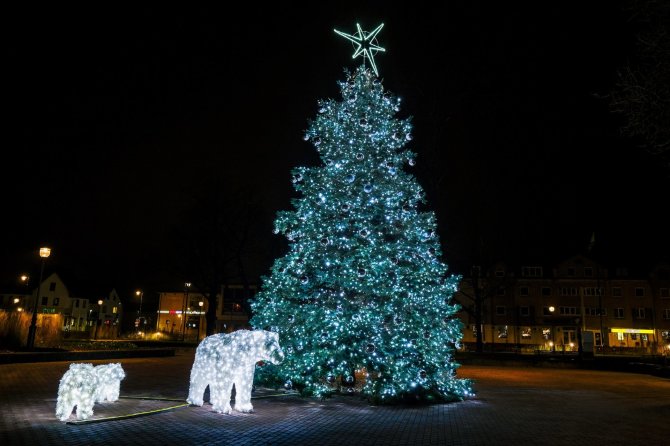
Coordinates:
[513,406]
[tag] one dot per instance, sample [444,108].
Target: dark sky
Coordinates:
[118,116]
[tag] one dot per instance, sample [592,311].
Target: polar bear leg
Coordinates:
[114,391]
[63,409]
[196,392]
[243,390]
[219,395]
[84,411]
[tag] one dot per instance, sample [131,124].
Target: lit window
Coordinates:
[525,333]
[502,332]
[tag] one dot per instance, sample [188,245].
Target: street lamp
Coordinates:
[97,322]
[551,343]
[44,253]
[139,293]
[200,304]
[187,285]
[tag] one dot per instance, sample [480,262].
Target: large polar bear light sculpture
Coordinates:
[222,360]
[83,385]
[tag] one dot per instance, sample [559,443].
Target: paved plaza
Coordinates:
[537,406]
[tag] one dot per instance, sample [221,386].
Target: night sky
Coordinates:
[118,119]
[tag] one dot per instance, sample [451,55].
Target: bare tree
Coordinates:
[474,292]
[642,92]
[216,241]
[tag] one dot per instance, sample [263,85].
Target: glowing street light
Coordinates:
[140,294]
[44,253]
[97,323]
[200,304]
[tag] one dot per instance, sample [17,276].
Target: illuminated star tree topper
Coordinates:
[365,43]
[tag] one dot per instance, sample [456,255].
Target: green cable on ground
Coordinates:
[153,398]
[152,412]
[124,417]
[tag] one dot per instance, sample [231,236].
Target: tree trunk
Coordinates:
[211,310]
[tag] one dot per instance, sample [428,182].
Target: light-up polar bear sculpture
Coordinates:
[109,382]
[222,360]
[83,385]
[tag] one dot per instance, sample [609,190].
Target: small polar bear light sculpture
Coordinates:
[83,385]
[222,360]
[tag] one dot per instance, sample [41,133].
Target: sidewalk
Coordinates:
[513,406]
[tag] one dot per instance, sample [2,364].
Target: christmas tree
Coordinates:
[362,288]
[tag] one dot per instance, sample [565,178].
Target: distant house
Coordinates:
[78,313]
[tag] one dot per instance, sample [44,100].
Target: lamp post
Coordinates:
[97,322]
[44,253]
[25,280]
[187,285]
[552,343]
[200,304]
[140,294]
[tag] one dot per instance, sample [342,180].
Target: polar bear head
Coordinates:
[110,372]
[271,351]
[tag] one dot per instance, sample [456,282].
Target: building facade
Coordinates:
[576,301]
[182,314]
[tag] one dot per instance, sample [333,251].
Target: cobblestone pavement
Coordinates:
[513,406]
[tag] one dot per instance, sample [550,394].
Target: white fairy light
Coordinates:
[222,360]
[84,385]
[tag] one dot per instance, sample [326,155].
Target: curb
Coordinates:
[22,357]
